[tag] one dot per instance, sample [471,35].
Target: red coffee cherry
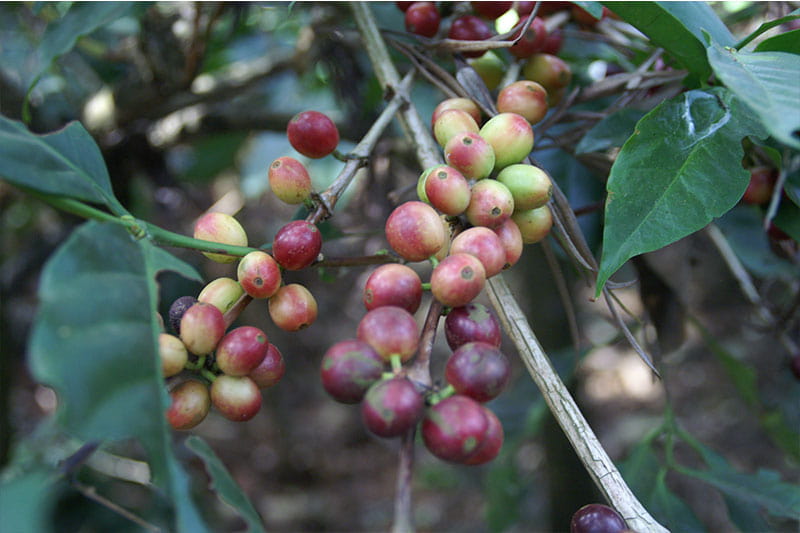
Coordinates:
[491,10]
[458,279]
[390,331]
[297,245]
[491,204]
[531,41]
[526,98]
[491,443]
[293,307]
[596,518]
[391,407]
[484,244]
[511,237]
[223,229]
[236,398]
[470,154]
[470,28]
[447,190]
[190,404]
[259,274]
[422,18]
[312,134]
[289,180]
[202,327]
[473,322]
[552,44]
[455,428]
[762,183]
[478,370]
[464,104]
[349,368]
[270,370]
[241,350]
[393,284]
[414,231]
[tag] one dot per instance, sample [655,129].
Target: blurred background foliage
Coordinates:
[188,103]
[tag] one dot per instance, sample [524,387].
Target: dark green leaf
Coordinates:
[785,42]
[163,260]
[26,501]
[788,219]
[224,484]
[595,9]
[612,131]
[95,342]
[665,185]
[678,28]
[768,26]
[765,81]
[67,162]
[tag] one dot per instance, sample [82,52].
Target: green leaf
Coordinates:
[678,28]
[95,341]
[224,484]
[794,15]
[766,82]
[67,163]
[785,42]
[26,502]
[788,219]
[612,131]
[680,169]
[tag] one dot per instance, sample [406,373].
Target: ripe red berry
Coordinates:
[552,44]
[762,183]
[470,154]
[393,284]
[526,98]
[259,274]
[202,327]
[293,307]
[270,370]
[473,322]
[236,398]
[349,368]
[484,244]
[289,180]
[297,245]
[414,231]
[491,204]
[241,350]
[531,41]
[447,190]
[470,28]
[190,404]
[491,10]
[596,518]
[458,279]
[422,18]
[455,428]
[390,331]
[391,407]
[491,443]
[478,370]
[312,134]
[511,238]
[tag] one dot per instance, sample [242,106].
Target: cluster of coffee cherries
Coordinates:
[241,362]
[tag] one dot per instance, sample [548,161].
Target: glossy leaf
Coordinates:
[784,42]
[224,484]
[666,184]
[95,342]
[678,28]
[765,81]
[612,131]
[67,163]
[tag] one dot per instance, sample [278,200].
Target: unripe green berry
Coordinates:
[222,293]
[172,353]
[510,136]
[529,185]
[289,180]
[534,224]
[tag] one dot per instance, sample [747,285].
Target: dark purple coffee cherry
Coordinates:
[349,368]
[478,370]
[391,407]
[177,309]
[596,518]
[473,322]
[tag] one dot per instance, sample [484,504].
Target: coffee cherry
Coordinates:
[422,18]
[794,364]
[172,353]
[470,154]
[403,6]
[202,327]
[457,279]
[349,368]
[393,284]
[259,274]
[491,10]
[390,331]
[490,204]
[447,189]
[270,370]
[190,404]
[525,98]
[414,231]
[470,28]
[453,122]
[478,370]
[223,229]
[490,68]
[448,231]
[464,104]
[510,136]
[177,309]
[596,518]
[293,307]
[222,293]
[762,183]
[492,442]
[312,134]
[473,322]
[584,18]
[484,244]
[289,180]
[237,398]
[531,41]
[534,224]
[391,407]
[511,238]
[550,71]
[241,350]
[455,428]
[529,185]
[297,245]
[552,44]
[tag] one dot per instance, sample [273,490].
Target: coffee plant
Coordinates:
[525,266]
